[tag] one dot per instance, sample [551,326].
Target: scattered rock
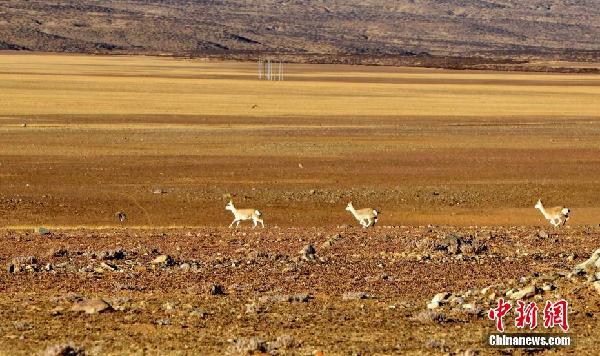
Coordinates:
[42,231]
[23,264]
[108,266]
[543,234]
[439,345]
[165,321]
[429,316]
[200,313]
[279,298]
[591,262]
[164,260]
[118,254]
[354,296]
[524,293]
[438,300]
[63,350]
[159,191]
[283,342]
[121,216]
[244,346]
[62,252]
[22,325]
[185,267]
[597,286]
[254,308]
[308,253]
[91,306]
[216,289]
[331,240]
[168,306]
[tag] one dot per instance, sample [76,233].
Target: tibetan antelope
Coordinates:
[366,217]
[555,214]
[244,214]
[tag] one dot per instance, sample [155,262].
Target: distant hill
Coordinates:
[464,28]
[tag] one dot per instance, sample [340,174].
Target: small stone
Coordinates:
[185,267]
[526,292]
[543,234]
[433,305]
[597,286]
[12,268]
[168,306]
[108,266]
[245,346]
[594,261]
[163,259]
[216,289]
[163,321]
[548,287]
[63,350]
[440,297]
[308,253]
[91,306]
[281,343]
[42,231]
[121,216]
[354,296]
[22,325]
[429,316]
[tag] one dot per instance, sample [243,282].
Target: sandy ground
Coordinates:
[168,142]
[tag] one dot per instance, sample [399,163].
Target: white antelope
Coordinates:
[243,215]
[555,214]
[366,217]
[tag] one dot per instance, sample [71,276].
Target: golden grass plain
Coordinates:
[423,145]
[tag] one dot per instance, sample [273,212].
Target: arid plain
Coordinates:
[424,146]
[167,141]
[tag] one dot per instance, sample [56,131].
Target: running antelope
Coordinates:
[366,217]
[555,214]
[243,215]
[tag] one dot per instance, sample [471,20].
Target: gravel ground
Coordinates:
[283,290]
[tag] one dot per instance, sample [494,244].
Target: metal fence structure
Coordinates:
[270,70]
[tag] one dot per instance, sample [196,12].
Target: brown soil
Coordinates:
[270,290]
[440,153]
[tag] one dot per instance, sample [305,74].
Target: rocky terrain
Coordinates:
[386,290]
[374,31]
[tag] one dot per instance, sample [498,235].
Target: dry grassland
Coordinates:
[104,132]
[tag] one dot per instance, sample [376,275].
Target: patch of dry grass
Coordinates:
[67,85]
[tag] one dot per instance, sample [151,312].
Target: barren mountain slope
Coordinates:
[372,27]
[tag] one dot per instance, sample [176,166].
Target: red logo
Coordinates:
[498,313]
[526,315]
[555,314]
